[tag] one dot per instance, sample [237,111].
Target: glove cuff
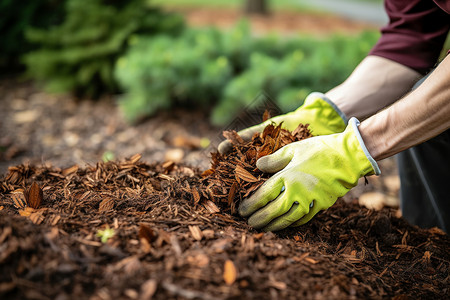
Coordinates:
[323,116]
[354,122]
[315,95]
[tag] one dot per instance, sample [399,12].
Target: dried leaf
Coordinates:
[233,137]
[258,235]
[266,115]
[135,158]
[148,289]
[71,170]
[146,233]
[26,212]
[310,260]
[196,232]
[189,142]
[426,256]
[232,193]
[168,165]
[196,195]
[84,196]
[208,234]
[19,200]
[280,285]
[267,131]
[229,272]
[266,149]
[55,220]
[244,174]
[207,173]
[106,204]
[37,218]
[211,207]
[34,195]
[166,177]
[55,174]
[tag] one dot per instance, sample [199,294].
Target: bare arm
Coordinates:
[376,83]
[419,116]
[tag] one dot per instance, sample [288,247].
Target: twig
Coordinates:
[189,294]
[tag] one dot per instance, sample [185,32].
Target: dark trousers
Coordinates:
[425,183]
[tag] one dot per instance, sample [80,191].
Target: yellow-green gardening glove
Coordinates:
[311,175]
[322,115]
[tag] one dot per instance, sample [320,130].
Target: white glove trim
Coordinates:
[355,123]
[326,99]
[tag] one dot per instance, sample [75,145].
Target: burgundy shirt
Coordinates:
[415,34]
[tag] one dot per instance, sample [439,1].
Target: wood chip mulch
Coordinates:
[133,230]
[234,176]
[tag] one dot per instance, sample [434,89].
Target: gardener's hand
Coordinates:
[318,111]
[312,174]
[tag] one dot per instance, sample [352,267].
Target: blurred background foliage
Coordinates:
[227,69]
[16,18]
[79,54]
[155,61]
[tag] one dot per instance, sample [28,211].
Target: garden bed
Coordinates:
[137,230]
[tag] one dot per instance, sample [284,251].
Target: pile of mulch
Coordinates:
[132,230]
[233,176]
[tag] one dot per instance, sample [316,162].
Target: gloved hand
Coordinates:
[312,174]
[322,115]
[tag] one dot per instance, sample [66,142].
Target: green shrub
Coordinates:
[79,54]
[227,70]
[291,70]
[16,18]
[162,72]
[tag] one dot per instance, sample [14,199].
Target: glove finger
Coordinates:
[306,218]
[272,210]
[224,147]
[280,213]
[247,134]
[294,214]
[267,192]
[275,162]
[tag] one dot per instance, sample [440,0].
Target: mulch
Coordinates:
[233,176]
[134,230]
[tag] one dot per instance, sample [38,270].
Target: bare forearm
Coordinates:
[376,83]
[419,116]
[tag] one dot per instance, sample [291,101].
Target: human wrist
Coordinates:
[376,83]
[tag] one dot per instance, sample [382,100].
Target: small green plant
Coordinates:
[108,156]
[105,234]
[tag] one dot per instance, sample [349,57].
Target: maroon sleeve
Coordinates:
[415,34]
